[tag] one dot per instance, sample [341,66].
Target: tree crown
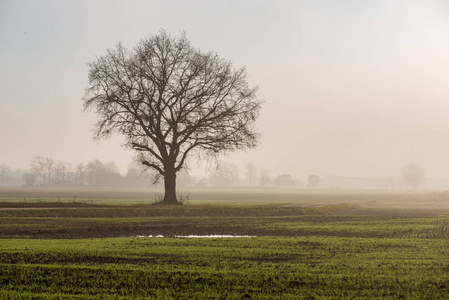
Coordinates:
[171,100]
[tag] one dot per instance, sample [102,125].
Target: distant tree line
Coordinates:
[46,171]
[229,175]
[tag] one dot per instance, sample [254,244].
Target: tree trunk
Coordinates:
[170,187]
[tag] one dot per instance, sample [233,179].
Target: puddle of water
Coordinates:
[212,236]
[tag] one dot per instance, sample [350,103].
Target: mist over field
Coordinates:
[352,92]
[255,149]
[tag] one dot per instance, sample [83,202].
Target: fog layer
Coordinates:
[350,88]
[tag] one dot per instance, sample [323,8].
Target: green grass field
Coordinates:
[304,245]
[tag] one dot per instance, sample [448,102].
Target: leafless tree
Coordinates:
[250,172]
[284,180]
[61,172]
[93,171]
[170,101]
[264,177]
[313,180]
[80,174]
[43,167]
[413,175]
[102,174]
[29,179]
[5,172]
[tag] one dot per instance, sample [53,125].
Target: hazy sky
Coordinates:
[354,88]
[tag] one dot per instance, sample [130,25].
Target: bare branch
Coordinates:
[170,100]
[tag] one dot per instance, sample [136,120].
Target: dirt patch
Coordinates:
[155,211]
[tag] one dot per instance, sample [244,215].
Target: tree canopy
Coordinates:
[171,101]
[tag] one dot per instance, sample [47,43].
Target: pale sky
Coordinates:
[351,88]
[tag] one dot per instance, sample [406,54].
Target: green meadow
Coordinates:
[297,245]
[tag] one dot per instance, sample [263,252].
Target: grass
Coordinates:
[308,245]
[263,267]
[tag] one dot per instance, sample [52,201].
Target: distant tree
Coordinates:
[284,180]
[264,177]
[43,168]
[5,174]
[413,175]
[170,101]
[132,175]
[135,175]
[80,174]
[61,173]
[390,182]
[29,179]
[313,180]
[251,170]
[226,175]
[102,174]
[111,167]
[94,171]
